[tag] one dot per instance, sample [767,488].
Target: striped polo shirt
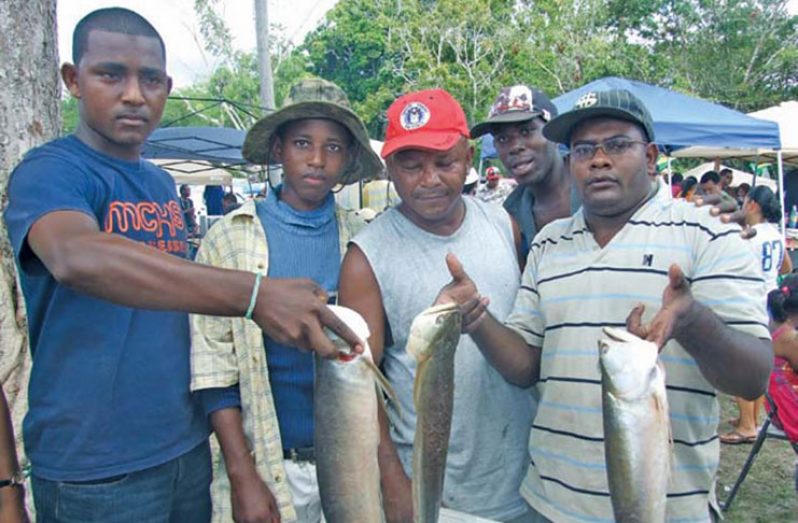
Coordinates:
[571,288]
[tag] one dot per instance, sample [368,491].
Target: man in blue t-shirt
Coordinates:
[113,433]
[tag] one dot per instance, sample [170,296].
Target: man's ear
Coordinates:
[168,84]
[69,74]
[276,153]
[651,159]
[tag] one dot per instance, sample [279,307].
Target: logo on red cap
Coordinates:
[414,116]
[430,119]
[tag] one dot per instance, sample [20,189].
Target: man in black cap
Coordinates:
[544,191]
[629,241]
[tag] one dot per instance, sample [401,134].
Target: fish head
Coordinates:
[434,327]
[354,321]
[628,364]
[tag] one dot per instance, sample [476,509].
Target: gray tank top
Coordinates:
[488,453]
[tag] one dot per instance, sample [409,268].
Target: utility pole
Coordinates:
[264,55]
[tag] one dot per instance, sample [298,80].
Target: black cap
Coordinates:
[615,103]
[518,103]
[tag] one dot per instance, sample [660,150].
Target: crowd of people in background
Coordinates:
[168,390]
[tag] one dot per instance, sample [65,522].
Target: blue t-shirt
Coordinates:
[109,387]
[213,195]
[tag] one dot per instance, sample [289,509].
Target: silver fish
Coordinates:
[434,335]
[637,436]
[346,430]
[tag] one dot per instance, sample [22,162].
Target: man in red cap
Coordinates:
[496,189]
[393,270]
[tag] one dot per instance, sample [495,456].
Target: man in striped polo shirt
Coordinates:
[631,257]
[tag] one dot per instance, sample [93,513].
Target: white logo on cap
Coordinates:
[517,98]
[588,100]
[414,116]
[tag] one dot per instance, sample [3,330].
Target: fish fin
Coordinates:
[383,385]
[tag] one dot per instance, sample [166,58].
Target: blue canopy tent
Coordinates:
[193,151]
[213,144]
[679,120]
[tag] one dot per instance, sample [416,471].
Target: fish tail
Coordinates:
[383,385]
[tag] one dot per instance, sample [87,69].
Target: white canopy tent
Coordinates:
[738,176]
[786,116]
[195,172]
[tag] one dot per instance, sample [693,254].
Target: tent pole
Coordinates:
[781,192]
[670,177]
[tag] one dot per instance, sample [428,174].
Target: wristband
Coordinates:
[254,298]
[16,480]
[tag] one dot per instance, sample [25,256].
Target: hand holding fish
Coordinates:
[252,500]
[295,311]
[677,302]
[463,291]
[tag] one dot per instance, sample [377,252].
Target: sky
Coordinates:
[175,20]
[177,23]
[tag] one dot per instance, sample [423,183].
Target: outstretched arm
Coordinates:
[516,361]
[114,268]
[732,361]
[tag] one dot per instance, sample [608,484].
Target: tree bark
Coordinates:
[29,116]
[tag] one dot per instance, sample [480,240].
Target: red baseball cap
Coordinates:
[492,173]
[430,119]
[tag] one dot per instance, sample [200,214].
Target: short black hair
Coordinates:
[784,301]
[229,197]
[726,172]
[710,176]
[677,178]
[768,202]
[113,20]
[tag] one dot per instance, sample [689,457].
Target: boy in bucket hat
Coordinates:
[644,261]
[297,231]
[393,271]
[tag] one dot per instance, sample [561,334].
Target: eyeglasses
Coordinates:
[612,147]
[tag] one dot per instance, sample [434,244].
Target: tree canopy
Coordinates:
[741,53]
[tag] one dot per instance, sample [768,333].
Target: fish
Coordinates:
[637,432]
[433,338]
[347,433]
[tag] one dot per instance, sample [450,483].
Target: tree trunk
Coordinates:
[29,116]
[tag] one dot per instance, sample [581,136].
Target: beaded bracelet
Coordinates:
[254,298]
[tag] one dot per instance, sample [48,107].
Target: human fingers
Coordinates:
[634,321]
[455,267]
[724,208]
[676,278]
[737,216]
[706,199]
[748,233]
[333,322]
[475,317]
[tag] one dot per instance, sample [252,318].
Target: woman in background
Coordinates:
[762,210]
[689,186]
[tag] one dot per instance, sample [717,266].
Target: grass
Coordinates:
[768,493]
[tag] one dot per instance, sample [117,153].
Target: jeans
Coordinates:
[177,491]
